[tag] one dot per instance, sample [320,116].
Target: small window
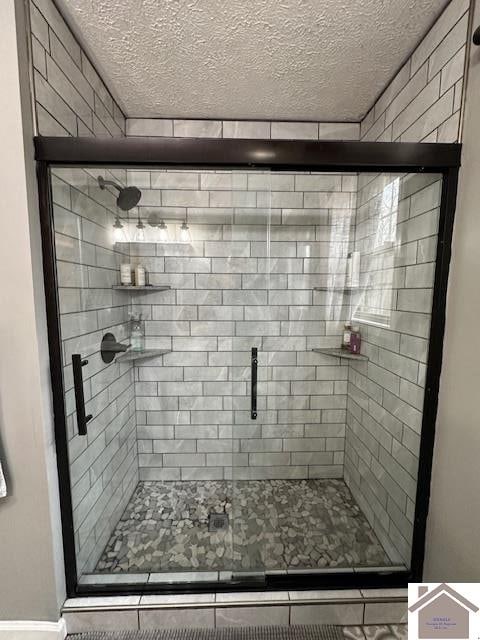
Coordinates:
[377,267]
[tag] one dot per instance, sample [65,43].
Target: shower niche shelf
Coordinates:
[121,287]
[341,353]
[131,356]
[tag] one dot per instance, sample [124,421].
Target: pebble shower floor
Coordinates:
[274,525]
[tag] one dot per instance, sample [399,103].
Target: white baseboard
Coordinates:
[32,630]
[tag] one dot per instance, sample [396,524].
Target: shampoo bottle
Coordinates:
[355,340]
[347,332]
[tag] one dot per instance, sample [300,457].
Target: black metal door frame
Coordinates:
[279,155]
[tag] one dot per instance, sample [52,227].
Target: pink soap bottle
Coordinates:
[355,340]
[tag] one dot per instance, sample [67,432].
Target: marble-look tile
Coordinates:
[81,622]
[385,612]
[400,631]
[385,593]
[149,127]
[385,632]
[252,596]
[176,618]
[294,130]
[100,602]
[251,616]
[344,614]
[197,128]
[353,633]
[184,576]
[246,129]
[179,598]
[112,578]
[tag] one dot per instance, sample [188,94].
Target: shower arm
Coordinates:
[110,182]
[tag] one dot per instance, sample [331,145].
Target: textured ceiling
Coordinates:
[266,59]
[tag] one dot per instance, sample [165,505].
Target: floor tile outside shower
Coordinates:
[284,524]
[376,632]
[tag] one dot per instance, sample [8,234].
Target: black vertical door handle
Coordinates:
[253,410]
[82,419]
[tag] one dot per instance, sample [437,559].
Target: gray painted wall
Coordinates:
[454,520]
[31,561]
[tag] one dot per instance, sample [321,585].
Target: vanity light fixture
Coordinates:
[140,232]
[119,234]
[163,235]
[185,235]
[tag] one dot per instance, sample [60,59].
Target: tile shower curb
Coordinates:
[345,608]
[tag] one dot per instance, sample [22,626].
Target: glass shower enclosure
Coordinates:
[240,357]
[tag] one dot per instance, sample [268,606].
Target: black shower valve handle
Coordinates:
[110,346]
[116,347]
[476,37]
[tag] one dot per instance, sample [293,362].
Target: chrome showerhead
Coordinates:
[128,197]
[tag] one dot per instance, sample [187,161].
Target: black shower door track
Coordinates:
[280,155]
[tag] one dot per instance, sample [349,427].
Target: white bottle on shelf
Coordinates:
[355,270]
[348,274]
[126,274]
[139,276]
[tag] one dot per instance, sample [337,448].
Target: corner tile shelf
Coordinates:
[131,356]
[341,353]
[121,287]
[338,289]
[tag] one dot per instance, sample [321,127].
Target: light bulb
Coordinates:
[119,234]
[185,233]
[163,235]
[140,232]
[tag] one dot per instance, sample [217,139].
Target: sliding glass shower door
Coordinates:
[215,428]
[156,302]
[290,494]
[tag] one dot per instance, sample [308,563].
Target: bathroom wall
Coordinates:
[103,464]
[396,227]
[31,558]
[70,97]
[423,102]
[231,290]
[454,517]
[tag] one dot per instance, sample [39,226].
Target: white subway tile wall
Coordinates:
[246,281]
[243,129]
[423,102]
[70,97]
[396,217]
[103,464]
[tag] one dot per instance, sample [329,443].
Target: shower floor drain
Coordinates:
[217,522]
